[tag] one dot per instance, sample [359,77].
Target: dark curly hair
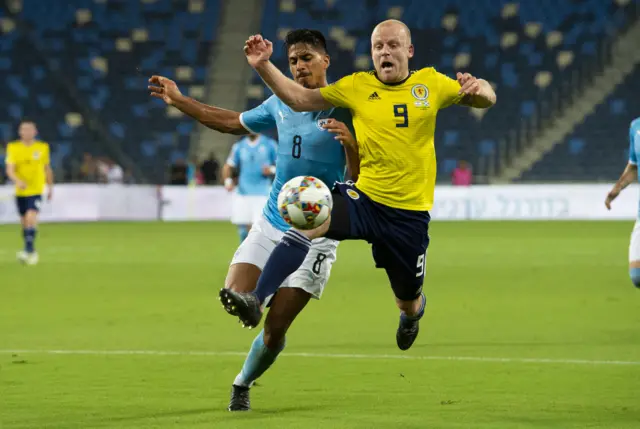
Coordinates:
[309,37]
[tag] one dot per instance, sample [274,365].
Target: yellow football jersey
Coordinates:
[30,162]
[395,126]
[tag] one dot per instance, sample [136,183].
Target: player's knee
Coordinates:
[634,273]
[31,218]
[242,277]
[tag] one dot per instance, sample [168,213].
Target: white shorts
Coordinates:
[313,274]
[634,245]
[247,209]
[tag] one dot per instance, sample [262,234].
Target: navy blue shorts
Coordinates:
[31,202]
[399,238]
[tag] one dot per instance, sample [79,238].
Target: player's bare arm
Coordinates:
[348,141]
[477,92]
[11,174]
[227,177]
[628,176]
[297,97]
[48,171]
[221,120]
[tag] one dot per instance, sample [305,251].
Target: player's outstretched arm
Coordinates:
[221,120]
[477,92]
[297,97]
[628,176]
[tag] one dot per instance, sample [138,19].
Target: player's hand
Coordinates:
[229,184]
[165,89]
[257,50]
[266,171]
[610,197]
[21,185]
[50,194]
[341,131]
[469,85]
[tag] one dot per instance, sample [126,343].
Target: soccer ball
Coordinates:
[305,202]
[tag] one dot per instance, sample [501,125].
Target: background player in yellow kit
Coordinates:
[29,169]
[394,114]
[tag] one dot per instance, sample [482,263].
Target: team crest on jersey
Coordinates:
[420,92]
[353,194]
[36,155]
[321,122]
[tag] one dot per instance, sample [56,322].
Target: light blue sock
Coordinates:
[243,231]
[259,359]
[634,273]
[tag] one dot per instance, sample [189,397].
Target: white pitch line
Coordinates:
[327,355]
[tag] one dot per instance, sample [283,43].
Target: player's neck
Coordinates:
[398,81]
[27,142]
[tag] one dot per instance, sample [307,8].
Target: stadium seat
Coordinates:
[107,50]
[597,149]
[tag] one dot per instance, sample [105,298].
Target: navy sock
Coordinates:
[243,231]
[259,359]
[29,239]
[284,260]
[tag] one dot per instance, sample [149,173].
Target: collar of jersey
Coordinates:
[394,83]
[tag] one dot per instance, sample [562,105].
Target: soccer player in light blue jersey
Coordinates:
[253,159]
[306,146]
[630,175]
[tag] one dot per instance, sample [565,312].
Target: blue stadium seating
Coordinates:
[598,149]
[526,49]
[108,49]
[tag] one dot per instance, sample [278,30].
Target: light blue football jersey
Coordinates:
[634,146]
[250,158]
[304,147]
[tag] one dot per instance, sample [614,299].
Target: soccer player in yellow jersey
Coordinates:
[29,169]
[394,114]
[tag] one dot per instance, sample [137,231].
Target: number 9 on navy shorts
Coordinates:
[31,202]
[399,238]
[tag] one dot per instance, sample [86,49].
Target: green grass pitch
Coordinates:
[529,325]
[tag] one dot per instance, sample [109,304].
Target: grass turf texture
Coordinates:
[556,291]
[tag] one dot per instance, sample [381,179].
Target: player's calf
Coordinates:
[285,307]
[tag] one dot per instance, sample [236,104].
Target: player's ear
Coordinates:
[411,51]
[327,61]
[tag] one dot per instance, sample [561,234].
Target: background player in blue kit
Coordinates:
[254,160]
[630,175]
[304,148]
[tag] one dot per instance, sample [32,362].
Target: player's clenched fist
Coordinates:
[341,131]
[257,50]
[164,88]
[469,85]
